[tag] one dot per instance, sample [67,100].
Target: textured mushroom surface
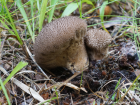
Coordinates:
[61,44]
[97,42]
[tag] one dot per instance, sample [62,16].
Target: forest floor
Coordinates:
[105,81]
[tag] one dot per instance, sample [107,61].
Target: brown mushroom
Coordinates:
[107,10]
[61,44]
[97,42]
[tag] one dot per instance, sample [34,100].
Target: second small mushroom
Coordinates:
[97,42]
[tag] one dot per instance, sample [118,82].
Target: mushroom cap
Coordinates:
[61,44]
[97,42]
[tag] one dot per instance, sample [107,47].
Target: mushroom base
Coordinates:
[99,54]
[73,58]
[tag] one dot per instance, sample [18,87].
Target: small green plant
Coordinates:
[14,71]
[5,92]
[113,97]
[74,5]
[107,94]
[11,23]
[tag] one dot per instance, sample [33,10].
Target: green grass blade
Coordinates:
[70,8]
[93,102]
[32,16]
[88,2]
[2,9]
[20,7]
[15,70]
[42,13]
[102,14]
[80,8]
[122,98]
[113,97]
[53,3]
[12,23]
[5,92]
[49,100]
[3,23]
[38,5]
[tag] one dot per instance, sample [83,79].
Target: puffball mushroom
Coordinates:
[97,42]
[61,44]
